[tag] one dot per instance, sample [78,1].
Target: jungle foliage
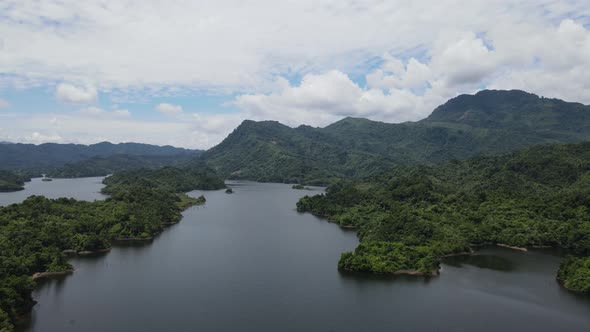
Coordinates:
[12,181]
[535,197]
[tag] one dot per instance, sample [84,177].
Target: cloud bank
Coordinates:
[303,62]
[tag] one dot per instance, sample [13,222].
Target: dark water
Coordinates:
[87,189]
[250,262]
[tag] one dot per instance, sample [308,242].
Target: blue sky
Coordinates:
[187,73]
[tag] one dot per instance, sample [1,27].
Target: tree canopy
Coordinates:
[535,197]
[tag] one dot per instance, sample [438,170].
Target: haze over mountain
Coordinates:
[491,121]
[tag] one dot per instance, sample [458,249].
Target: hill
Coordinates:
[488,122]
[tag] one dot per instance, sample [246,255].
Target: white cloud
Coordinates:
[322,99]
[73,94]
[92,111]
[122,113]
[232,46]
[169,109]
[96,111]
[4,104]
[38,138]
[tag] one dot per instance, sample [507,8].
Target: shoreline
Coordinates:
[43,275]
[511,247]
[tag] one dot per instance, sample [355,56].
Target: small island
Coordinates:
[229,191]
[46,179]
[298,187]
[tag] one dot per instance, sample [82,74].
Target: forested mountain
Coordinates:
[411,216]
[468,125]
[101,166]
[51,155]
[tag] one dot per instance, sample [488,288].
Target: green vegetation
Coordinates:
[574,274]
[12,181]
[229,191]
[412,214]
[171,179]
[102,166]
[298,187]
[489,122]
[35,233]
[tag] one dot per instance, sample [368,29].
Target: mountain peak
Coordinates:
[501,109]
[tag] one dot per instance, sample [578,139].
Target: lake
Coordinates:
[87,189]
[249,262]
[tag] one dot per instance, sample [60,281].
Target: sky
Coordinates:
[186,73]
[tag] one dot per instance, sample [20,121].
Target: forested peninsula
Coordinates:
[12,181]
[410,217]
[36,235]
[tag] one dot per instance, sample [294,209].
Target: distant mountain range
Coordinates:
[488,122]
[52,155]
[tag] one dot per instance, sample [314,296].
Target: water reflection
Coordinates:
[482,261]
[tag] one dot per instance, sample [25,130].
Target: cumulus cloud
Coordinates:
[551,62]
[4,103]
[75,94]
[231,46]
[169,109]
[322,99]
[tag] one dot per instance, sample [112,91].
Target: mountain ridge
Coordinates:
[488,122]
[50,155]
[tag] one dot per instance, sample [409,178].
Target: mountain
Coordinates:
[52,155]
[489,122]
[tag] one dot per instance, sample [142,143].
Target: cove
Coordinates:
[248,261]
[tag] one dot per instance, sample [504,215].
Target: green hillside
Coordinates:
[488,122]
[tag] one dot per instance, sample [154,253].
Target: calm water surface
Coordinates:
[87,189]
[249,262]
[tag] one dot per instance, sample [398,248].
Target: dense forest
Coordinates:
[489,122]
[411,216]
[102,166]
[36,235]
[168,178]
[12,181]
